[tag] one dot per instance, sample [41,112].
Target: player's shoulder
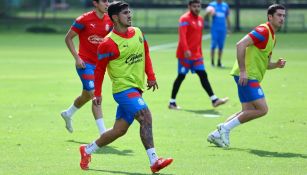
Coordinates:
[213,4]
[86,15]
[261,29]
[225,4]
[184,17]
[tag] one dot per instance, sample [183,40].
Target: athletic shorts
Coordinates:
[87,76]
[129,102]
[218,39]
[251,92]
[184,65]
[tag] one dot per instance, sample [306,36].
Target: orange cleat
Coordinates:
[160,164]
[85,158]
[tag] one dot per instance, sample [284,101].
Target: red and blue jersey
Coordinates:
[260,36]
[190,36]
[108,51]
[91,31]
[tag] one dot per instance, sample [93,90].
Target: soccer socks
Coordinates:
[232,123]
[71,110]
[90,148]
[100,125]
[152,155]
[172,100]
[213,98]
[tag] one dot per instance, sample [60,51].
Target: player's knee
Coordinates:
[263,111]
[87,95]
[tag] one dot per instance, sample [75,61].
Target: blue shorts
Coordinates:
[218,38]
[129,102]
[184,65]
[87,76]
[251,92]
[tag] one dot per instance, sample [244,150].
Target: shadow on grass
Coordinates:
[107,149]
[122,172]
[202,112]
[262,153]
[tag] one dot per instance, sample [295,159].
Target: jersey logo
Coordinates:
[93,25]
[141,102]
[199,23]
[95,39]
[134,58]
[107,27]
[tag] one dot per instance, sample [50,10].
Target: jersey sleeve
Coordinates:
[107,50]
[260,36]
[183,28]
[148,65]
[78,25]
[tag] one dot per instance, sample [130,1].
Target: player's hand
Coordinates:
[187,54]
[281,63]
[152,84]
[80,63]
[243,79]
[97,100]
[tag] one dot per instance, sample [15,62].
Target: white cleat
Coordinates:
[224,133]
[68,121]
[217,141]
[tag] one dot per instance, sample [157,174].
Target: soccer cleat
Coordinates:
[224,134]
[220,65]
[217,141]
[68,121]
[173,106]
[160,164]
[220,101]
[85,158]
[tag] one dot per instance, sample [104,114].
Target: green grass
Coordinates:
[38,80]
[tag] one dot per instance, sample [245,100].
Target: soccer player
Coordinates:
[125,54]
[189,53]
[220,15]
[253,59]
[91,28]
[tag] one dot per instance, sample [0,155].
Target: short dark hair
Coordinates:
[273,8]
[193,1]
[116,7]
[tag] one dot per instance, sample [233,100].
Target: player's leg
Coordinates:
[220,43]
[199,68]
[119,129]
[87,78]
[183,69]
[253,106]
[144,118]
[214,37]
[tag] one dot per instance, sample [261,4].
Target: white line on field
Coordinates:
[172,45]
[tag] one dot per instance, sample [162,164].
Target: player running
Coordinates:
[125,54]
[253,59]
[91,28]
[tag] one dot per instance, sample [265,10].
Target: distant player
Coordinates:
[125,54]
[91,28]
[219,11]
[253,59]
[189,54]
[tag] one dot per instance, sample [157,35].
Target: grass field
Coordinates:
[38,80]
